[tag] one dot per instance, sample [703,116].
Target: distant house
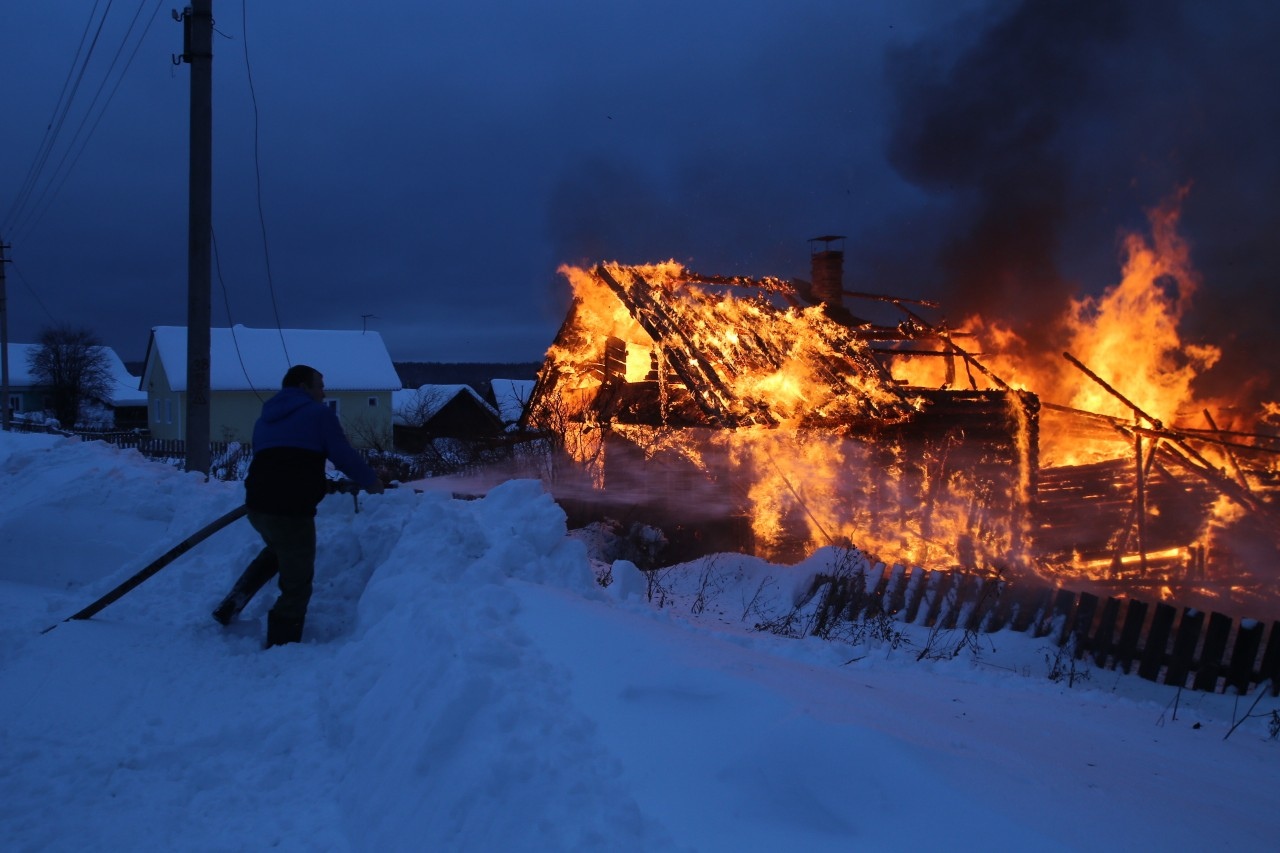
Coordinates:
[128,401]
[511,396]
[245,369]
[125,403]
[442,411]
[26,395]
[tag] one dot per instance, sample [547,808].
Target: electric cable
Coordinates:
[226,301]
[51,197]
[13,266]
[257,171]
[60,111]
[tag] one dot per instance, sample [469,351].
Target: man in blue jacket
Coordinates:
[292,439]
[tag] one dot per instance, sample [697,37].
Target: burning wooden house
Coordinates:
[761,414]
[764,411]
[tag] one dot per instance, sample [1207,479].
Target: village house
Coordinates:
[246,366]
[442,411]
[124,406]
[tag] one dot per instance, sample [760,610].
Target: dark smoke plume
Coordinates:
[1049,132]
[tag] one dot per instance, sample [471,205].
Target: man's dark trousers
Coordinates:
[292,539]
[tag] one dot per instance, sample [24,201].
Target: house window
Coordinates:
[168,410]
[373,402]
[158,410]
[15,402]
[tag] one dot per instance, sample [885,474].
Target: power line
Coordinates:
[257,171]
[231,326]
[49,198]
[30,205]
[13,266]
[60,109]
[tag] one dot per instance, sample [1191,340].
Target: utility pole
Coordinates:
[198,52]
[4,343]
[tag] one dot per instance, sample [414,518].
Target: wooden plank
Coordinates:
[1184,647]
[1270,669]
[1102,639]
[1215,643]
[895,590]
[962,598]
[1157,644]
[1086,609]
[980,617]
[915,590]
[1004,609]
[1131,633]
[873,593]
[939,587]
[1030,602]
[1240,671]
[1063,608]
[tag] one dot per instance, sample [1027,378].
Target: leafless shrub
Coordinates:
[710,583]
[1272,717]
[1062,664]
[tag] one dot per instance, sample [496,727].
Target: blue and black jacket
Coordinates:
[291,441]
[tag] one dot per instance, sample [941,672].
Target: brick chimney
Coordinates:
[826,265]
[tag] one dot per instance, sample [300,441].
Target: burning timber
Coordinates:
[762,415]
[727,408]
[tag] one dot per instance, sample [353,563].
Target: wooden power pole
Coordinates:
[4,344]
[198,52]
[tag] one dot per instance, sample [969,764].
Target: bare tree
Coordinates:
[71,363]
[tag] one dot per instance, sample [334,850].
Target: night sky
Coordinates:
[431,164]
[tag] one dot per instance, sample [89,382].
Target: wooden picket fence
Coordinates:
[1181,647]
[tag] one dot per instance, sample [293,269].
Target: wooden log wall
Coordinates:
[1181,647]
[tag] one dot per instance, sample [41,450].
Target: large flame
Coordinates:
[778,392]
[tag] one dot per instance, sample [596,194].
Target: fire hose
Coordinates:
[332,487]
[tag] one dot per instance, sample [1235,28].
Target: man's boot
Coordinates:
[255,577]
[282,629]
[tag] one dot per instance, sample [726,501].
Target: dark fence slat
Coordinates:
[1131,634]
[962,597]
[1102,640]
[915,591]
[872,590]
[1157,644]
[1215,643]
[1184,647]
[895,590]
[1028,604]
[1064,603]
[1086,609]
[1240,670]
[982,617]
[1270,669]
[942,599]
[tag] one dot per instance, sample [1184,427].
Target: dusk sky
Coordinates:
[430,165]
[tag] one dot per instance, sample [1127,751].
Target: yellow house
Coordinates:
[245,369]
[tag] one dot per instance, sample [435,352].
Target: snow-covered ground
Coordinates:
[466,684]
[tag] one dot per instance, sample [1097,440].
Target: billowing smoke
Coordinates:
[1052,128]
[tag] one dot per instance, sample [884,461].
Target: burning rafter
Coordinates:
[703,389]
[731,355]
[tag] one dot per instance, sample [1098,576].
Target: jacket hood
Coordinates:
[284,404]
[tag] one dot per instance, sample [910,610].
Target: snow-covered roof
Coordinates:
[124,385]
[244,359]
[511,396]
[426,401]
